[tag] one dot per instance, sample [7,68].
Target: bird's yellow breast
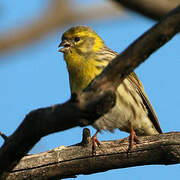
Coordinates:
[81,70]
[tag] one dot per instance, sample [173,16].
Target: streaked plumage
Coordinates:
[86,56]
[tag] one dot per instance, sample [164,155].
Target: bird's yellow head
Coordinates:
[81,39]
[85,54]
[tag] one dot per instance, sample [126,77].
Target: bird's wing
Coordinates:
[138,86]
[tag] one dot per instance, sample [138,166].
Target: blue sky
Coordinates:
[36,76]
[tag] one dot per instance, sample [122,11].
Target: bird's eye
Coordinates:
[76,39]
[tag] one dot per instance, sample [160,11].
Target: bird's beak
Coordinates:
[65,44]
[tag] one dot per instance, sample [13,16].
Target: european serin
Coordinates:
[86,56]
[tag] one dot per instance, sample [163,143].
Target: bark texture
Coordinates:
[65,162]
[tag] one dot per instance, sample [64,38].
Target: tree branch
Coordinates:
[89,105]
[59,14]
[63,162]
[152,9]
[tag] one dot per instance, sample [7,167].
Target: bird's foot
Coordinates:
[132,138]
[95,143]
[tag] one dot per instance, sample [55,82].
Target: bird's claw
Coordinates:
[95,143]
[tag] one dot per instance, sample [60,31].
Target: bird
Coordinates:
[86,55]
